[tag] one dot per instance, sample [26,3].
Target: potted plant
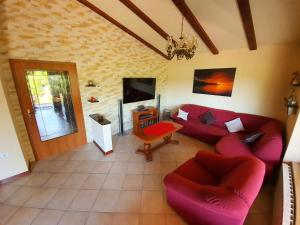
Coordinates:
[291,103]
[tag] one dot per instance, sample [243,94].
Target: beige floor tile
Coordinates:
[65,156]
[23,216]
[152,202]
[22,195]
[152,182]
[56,166]
[108,158]
[122,156]
[120,188]
[129,201]
[258,219]
[75,180]
[167,157]
[22,180]
[132,182]
[7,190]
[38,179]
[94,181]
[119,168]
[125,219]
[6,211]
[69,167]
[57,180]
[264,201]
[152,167]
[62,199]
[48,217]
[136,157]
[42,166]
[106,201]
[85,167]
[152,219]
[175,220]
[102,167]
[100,219]
[114,181]
[84,200]
[40,198]
[168,167]
[73,218]
[136,168]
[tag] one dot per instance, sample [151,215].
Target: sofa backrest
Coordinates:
[222,116]
[251,122]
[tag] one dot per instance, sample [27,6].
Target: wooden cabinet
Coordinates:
[143,118]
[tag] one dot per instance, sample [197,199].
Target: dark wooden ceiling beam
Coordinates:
[190,17]
[245,12]
[145,18]
[119,25]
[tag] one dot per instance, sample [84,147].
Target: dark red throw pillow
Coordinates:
[208,118]
[252,138]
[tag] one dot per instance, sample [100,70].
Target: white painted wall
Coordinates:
[292,153]
[14,163]
[261,80]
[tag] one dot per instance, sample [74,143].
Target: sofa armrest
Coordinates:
[231,146]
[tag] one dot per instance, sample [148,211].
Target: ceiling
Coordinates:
[275,21]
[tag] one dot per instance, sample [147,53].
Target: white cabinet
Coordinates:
[101,132]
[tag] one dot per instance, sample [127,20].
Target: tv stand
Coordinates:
[143,119]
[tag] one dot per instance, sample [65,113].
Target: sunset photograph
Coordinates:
[214,81]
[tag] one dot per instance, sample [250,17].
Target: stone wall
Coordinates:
[65,30]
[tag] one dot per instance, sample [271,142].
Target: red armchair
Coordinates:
[211,189]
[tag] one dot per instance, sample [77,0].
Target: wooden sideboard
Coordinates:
[143,118]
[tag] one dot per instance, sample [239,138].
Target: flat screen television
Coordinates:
[138,89]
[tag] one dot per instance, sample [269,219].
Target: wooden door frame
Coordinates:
[64,143]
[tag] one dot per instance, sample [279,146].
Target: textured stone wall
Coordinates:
[65,30]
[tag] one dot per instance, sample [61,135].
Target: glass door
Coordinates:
[52,105]
[50,101]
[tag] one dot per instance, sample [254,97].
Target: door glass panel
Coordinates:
[52,104]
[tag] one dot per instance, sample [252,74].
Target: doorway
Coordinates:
[50,101]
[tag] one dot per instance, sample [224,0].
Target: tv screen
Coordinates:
[138,89]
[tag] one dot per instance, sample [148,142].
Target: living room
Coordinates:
[91,35]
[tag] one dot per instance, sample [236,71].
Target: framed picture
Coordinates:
[214,81]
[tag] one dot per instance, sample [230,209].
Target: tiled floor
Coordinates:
[83,187]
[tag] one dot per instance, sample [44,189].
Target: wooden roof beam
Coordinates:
[122,27]
[245,12]
[145,18]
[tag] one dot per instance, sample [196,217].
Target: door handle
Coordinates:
[29,113]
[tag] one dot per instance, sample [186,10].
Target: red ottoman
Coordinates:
[211,189]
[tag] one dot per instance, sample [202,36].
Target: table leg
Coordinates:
[168,139]
[146,151]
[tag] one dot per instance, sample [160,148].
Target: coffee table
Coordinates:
[162,130]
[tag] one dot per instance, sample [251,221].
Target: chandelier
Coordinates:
[183,47]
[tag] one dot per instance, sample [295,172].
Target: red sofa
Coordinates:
[211,189]
[268,148]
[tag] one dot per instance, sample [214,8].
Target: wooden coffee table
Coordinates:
[162,130]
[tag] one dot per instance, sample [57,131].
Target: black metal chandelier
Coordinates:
[183,47]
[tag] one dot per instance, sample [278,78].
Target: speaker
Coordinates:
[121,128]
[158,107]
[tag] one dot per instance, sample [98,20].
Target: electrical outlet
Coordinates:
[3,155]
